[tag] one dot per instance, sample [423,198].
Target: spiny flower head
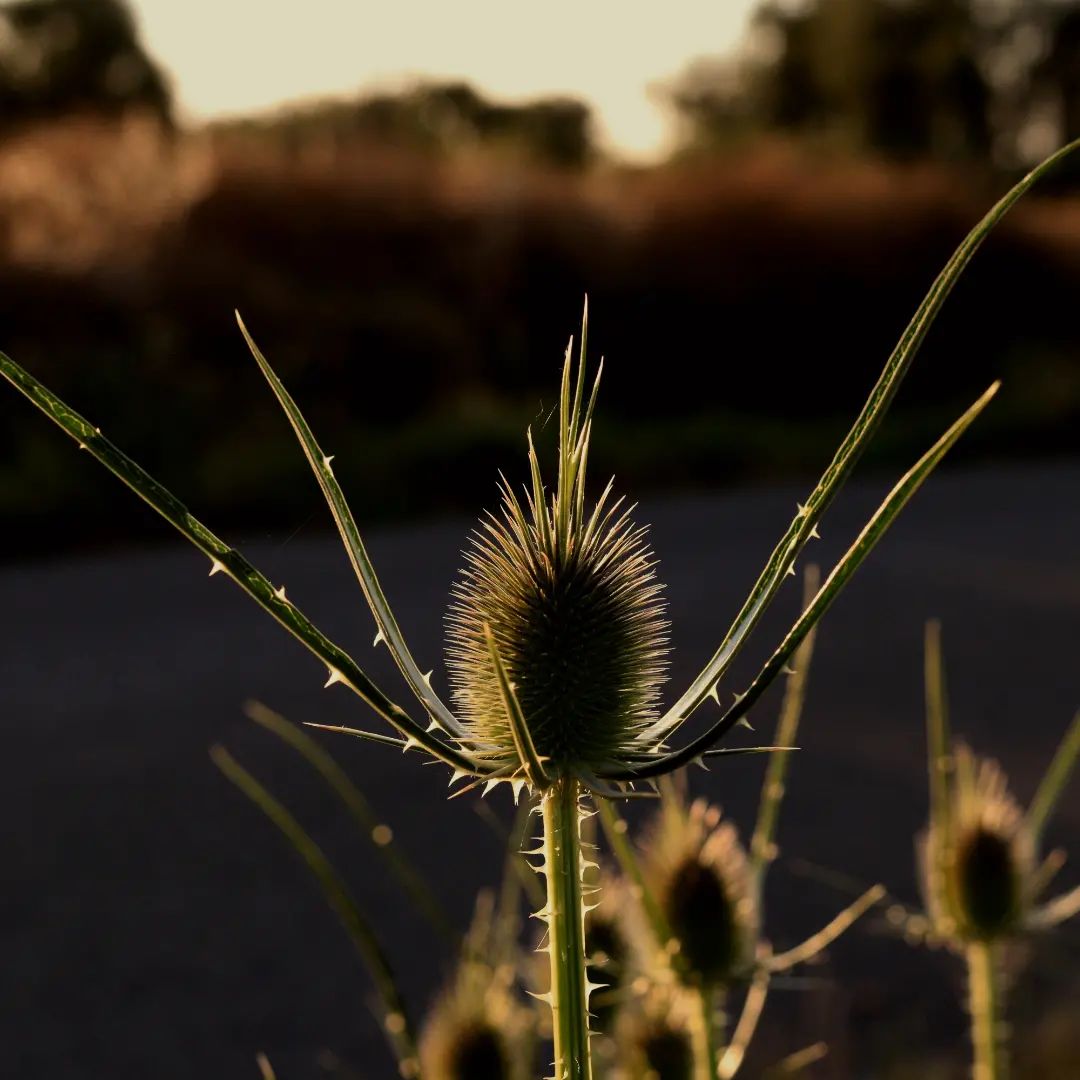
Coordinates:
[477,1030]
[979,860]
[699,873]
[568,597]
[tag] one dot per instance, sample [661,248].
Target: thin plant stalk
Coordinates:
[564,866]
[703,1034]
[795,1063]
[987,1012]
[1054,782]
[820,941]
[400,868]
[753,1005]
[762,847]
[395,1019]
[618,836]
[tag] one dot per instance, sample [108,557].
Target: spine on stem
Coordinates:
[564,868]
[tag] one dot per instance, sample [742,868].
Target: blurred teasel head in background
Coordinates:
[699,874]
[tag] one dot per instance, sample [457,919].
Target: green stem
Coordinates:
[987,1020]
[703,1035]
[563,869]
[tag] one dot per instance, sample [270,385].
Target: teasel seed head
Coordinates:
[699,874]
[575,612]
[979,863]
[654,1037]
[476,1030]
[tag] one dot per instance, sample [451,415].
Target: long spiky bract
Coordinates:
[321,465]
[657,764]
[341,667]
[804,526]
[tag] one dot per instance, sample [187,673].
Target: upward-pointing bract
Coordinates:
[577,617]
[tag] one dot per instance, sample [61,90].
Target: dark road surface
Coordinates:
[154,925]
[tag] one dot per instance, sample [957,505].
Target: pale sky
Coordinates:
[234,56]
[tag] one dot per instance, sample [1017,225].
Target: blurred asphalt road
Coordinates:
[153,924]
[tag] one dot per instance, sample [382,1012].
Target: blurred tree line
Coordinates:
[64,56]
[59,57]
[950,80]
[437,117]
[416,299]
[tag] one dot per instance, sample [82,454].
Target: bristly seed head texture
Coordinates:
[698,872]
[571,598]
[978,877]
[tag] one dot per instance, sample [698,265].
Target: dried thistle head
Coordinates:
[477,1029]
[980,866]
[699,874]
[979,861]
[655,1039]
[569,595]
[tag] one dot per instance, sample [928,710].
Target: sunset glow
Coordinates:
[237,56]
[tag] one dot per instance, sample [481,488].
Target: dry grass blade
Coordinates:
[364,938]
[407,875]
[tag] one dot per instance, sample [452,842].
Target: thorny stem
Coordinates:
[565,913]
[987,1019]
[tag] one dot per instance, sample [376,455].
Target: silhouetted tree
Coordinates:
[1057,75]
[948,79]
[556,131]
[443,117]
[59,56]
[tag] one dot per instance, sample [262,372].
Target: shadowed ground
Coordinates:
[154,925]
